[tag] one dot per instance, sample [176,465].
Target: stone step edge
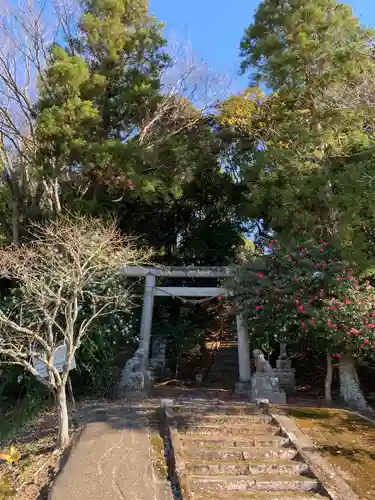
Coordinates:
[333,483]
[189,450]
[266,461]
[264,495]
[178,474]
[218,438]
[257,479]
[224,425]
[215,403]
[251,417]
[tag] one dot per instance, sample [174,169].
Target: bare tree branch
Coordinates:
[190,90]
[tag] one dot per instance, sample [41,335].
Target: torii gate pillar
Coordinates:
[244,384]
[146,321]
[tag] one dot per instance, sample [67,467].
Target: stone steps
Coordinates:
[232,441]
[219,419]
[235,453]
[224,369]
[243,430]
[246,467]
[240,409]
[255,483]
[248,495]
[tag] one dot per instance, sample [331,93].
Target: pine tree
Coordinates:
[94,96]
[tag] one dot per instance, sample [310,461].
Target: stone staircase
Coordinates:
[233,451]
[224,370]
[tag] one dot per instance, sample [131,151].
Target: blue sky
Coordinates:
[215,27]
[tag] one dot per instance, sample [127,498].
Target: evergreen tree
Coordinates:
[291,150]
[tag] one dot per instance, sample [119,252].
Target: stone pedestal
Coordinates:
[135,382]
[286,375]
[266,387]
[158,360]
[242,388]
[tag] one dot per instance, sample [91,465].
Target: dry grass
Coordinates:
[157,446]
[32,476]
[347,441]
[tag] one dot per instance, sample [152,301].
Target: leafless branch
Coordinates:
[72,263]
[27,30]
[190,90]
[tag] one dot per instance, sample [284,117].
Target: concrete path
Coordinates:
[111,459]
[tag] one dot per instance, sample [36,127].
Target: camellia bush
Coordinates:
[308,292]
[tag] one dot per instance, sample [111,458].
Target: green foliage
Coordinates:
[94,100]
[20,408]
[185,340]
[298,145]
[99,359]
[304,43]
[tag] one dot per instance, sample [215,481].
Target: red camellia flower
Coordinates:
[348,334]
[325,243]
[220,297]
[301,309]
[324,265]
[321,249]
[329,322]
[258,307]
[354,330]
[371,325]
[303,325]
[372,314]
[366,341]
[260,275]
[347,302]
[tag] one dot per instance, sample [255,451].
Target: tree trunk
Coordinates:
[15,222]
[350,389]
[63,439]
[328,381]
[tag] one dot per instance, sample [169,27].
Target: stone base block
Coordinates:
[137,386]
[242,388]
[265,386]
[134,395]
[284,364]
[278,398]
[287,380]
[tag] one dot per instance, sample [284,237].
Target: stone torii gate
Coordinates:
[151,290]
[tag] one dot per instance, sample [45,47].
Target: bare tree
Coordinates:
[190,90]
[69,277]
[27,29]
